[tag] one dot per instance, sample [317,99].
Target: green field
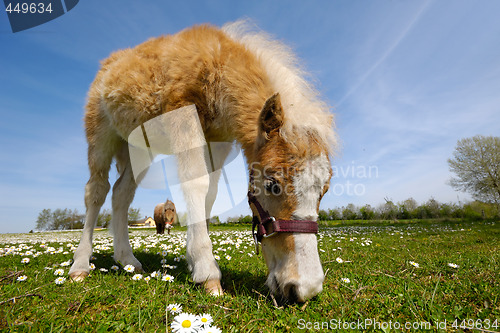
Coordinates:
[372,281]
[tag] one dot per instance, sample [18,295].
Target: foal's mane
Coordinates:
[305,113]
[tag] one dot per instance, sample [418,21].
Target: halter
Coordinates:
[267,226]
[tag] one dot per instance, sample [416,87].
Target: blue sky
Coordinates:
[406,80]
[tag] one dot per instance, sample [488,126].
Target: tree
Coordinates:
[407,209]
[367,212]
[59,219]
[133,215]
[349,212]
[44,220]
[388,211]
[104,218]
[476,163]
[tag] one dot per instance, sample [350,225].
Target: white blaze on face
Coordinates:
[308,188]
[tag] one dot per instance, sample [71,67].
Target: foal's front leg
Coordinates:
[195,185]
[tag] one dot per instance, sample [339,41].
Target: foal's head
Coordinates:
[291,174]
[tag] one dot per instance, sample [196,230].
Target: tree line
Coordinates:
[410,209]
[67,219]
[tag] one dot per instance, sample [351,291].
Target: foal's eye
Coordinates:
[272,186]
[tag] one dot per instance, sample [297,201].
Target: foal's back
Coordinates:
[200,66]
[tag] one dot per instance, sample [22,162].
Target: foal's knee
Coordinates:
[96,191]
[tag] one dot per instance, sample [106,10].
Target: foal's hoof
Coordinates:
[78,276]
[213,287]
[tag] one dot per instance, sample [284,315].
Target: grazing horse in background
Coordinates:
[245,87]
[165,216]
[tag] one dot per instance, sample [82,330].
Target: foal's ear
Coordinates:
[271,116]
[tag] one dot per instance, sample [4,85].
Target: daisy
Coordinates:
[185,323]
[147,278]
[22,278]
[60,280]
[137,277]
[216,257]
[174,308]
[129,268]
[339,260]
[163,261]
[25,260]
[452,265]
[104,270]
[212,329]
[92,267]
[228,257]
[346,280]
[168,278]
[206,319]
[114,268]
[66,263]
[414,264]
[59,271]
[154,274]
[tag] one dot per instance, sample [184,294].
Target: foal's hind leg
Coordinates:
[123,194]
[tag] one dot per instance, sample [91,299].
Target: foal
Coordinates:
[243,86]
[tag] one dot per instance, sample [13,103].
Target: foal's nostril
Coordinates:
[290,292]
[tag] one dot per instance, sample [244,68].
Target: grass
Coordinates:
[385,290]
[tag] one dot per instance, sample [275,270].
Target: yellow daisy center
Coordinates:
[204,320]
[186,323]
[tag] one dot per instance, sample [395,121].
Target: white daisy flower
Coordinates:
[147,278]
[339,260]
[167,277]
[92,266]
[25,260]
[185,323]
[114,268]
[163,261]
[174,308]
[59,271]
[129,268]
[414,264]
[212,329]
[104,270]
[154,274]
[452,265]
[228,257]
[22,278]
[206,319]
[60,280]
[346,280]
[137,277]
[65,264]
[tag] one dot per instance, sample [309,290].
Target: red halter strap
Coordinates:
[268,226]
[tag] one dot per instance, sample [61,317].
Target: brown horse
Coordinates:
[165,216]
[243,86]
